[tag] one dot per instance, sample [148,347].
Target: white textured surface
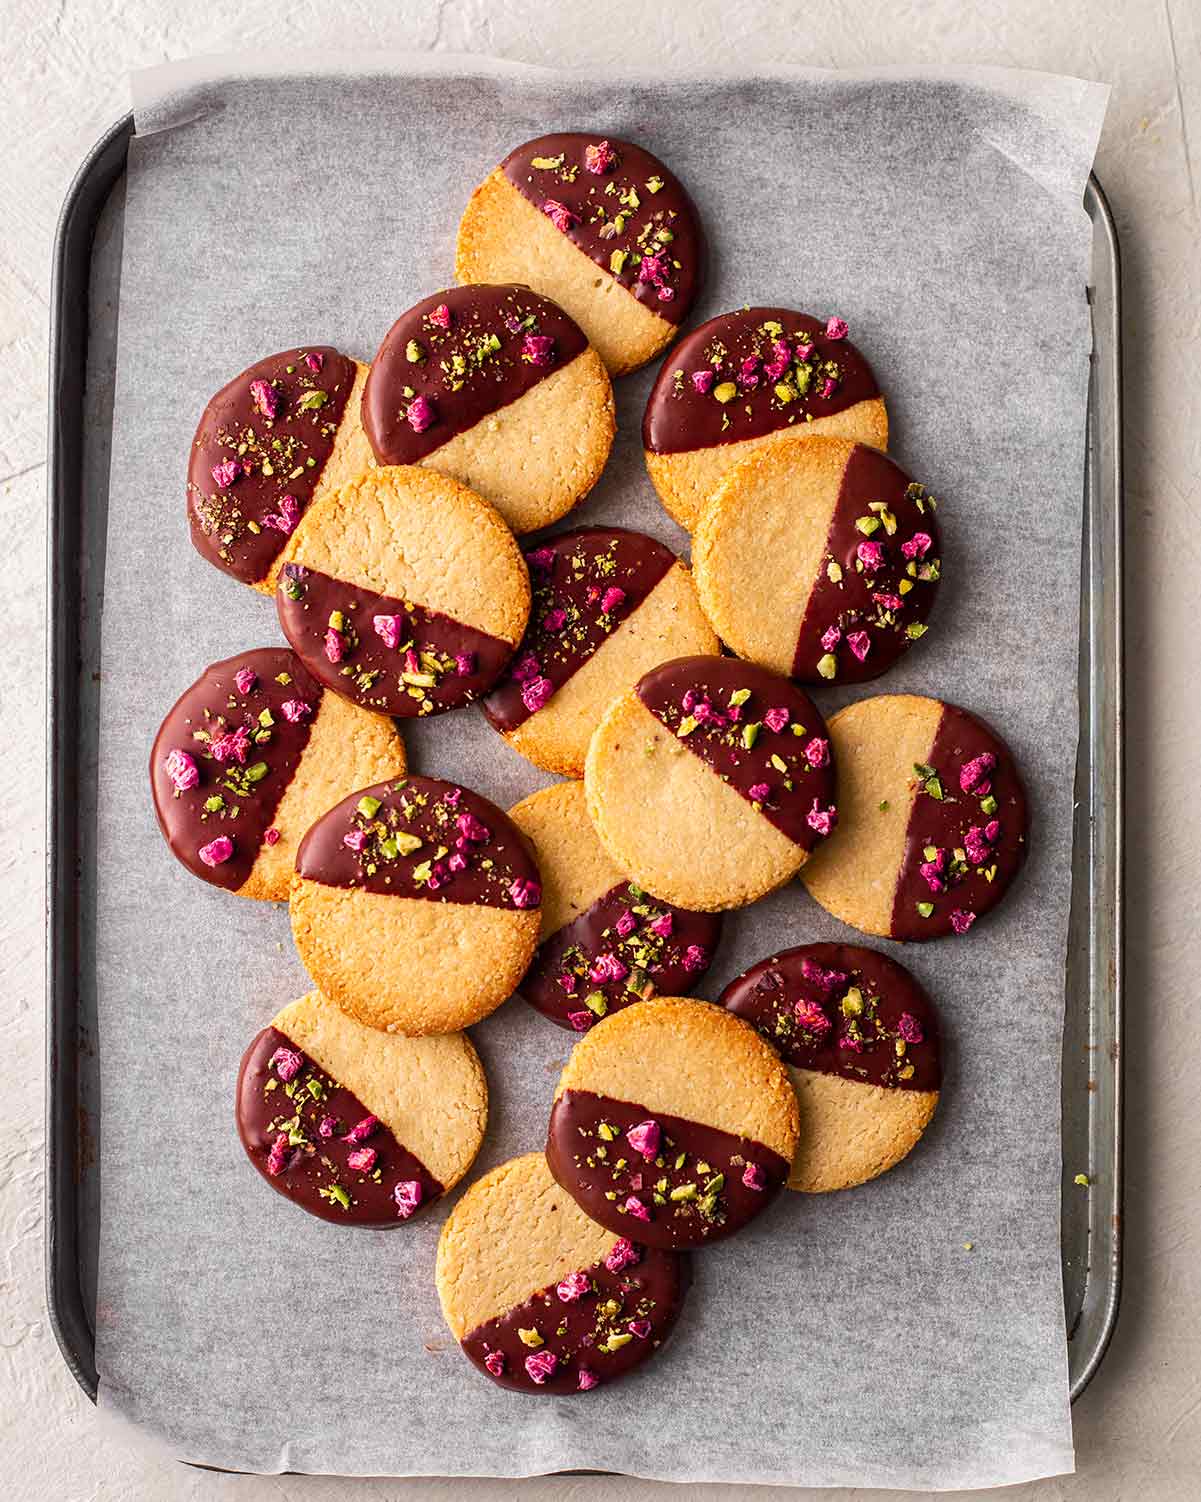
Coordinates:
[1139,1425]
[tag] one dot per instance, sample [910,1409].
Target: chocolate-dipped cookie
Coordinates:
[604,942]
[415,906]
[540,1297]
[747,379]
[499,389]
[933,823]
[269,444]
[819,559]
[357,1126]
[608,605]
[673,1123]
[861,1042]
[711,782]
[599,225]
[248,757]
[404,591]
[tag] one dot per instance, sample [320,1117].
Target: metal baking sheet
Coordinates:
[86,275]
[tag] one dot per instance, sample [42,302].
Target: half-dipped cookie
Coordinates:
[673,1123]
[357,1126]
[415,906]
[604,942]
[599,225]
[498,388]
[608,605]
[404,591]
[746,379]
[540,1297]
[933,824]
[819,559]
[271,442]
[248,757]
[711,782]
[860,1039]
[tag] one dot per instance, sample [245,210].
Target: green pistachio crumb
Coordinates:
[368,806]
[529,1337]
[414,353]
[834,572]
[867,525]
[925,909]
[750,734]
[725,391]
[915,629]
[683,1192]
[827,666]
[988,805]
[597,1004]
[606,1132]
[1083,1180]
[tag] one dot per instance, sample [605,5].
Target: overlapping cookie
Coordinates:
[860,1039]
[357,1126]
[820,560]
[608,604]
[934,819]
[746,379]
[600,226]
[248,757]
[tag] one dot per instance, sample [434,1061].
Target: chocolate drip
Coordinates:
[437,664]
[791,770]
[842,1009]
[574,577]
[796,373]
[245,747]
[314,1114]
[877,578]
[457,357]
[418,837]
[267,466]
[705,1168]
[618,216]
[951,832]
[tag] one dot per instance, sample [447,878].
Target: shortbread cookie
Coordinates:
[415,906]
[248,757]
[710,782]
[604,942]
[818,559]
[541,1298]
[860,1039]
[747,379]
[269,444]
[673,1122]
[599,225]
[934,820]
[498,388]
[357,1126]
[608,605]
[404,591]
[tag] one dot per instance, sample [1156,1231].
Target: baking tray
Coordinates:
[83,336]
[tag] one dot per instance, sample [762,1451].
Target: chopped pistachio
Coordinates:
[336,1192]
[867,525]
[529,1337]
[988,805]
[750,733]
[546,163]
[852,1002]
[725,391]
[617,261]
[779,763]
[214,804]
[414,352]
[683,1192]
[925,909]
[827,666]
[1083,1180]
[834,572]
[915,629]
[311,400]
[368,806]
[336,620]
[687,725]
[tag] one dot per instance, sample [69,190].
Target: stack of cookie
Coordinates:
[382,508]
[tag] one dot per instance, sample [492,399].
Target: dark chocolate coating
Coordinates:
[720,1204]
[571,573]
[857,1037]
[317,1164]
[213,708]
[276,457]
[799,790]
[680,418]
[606,222]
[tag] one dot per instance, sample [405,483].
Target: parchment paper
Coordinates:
[848,1339]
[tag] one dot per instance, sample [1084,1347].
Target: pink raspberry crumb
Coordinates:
[464,664]
[182,770]
[871,555]
[334,646]
[326,1127]
[363,1129]
[975,846]
[356,840]
[586,1379]
[831,636]
[525,893]
[233,744]
[573,1288]
[645,1138]
[860,643]
[407,1195]
[422,414]
[821,819]
[910,1028]
[440,317]
[974,775]
[314,360]
[611,599]
[535,692]
[287,1063]
[961,921]
[362,1160]
[245,679]
[634,1206]
[754,1176]
[540,1365]
[776,719]
[695,958]
[625,925]
[295,710]
[559,215]
[581,1021]
[759,792]
[622,1254]
[836,328]
[387,628]
[640,1328]
[538,349]
[702,381]
[599,158]
[265,398]
[271,837]
[280,1155]
[287,517]
[495,1362]
[225,473]
[811,1018]
[217,851]
[918,545]
[817,752]
[818,975]
[662,926]
[554,619]
[472,829]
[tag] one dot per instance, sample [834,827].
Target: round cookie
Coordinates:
[747,379]
[499,389]
[711,781]
[933,823]
[608,605]
[541,1298]
[673,1122]
[601,226]
[357,1126]
[269,444]
[604,942]
[820,560]
[415,906]
[404,591]
[248,757]
[860,1040]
